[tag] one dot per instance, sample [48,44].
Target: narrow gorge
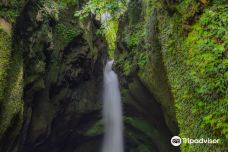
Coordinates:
[59,91]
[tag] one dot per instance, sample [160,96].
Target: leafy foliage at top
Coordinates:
[108,12]
[109,30]
[100,7]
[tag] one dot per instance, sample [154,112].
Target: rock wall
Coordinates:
[11,78]
[159,44]
[145,88]
[62,78]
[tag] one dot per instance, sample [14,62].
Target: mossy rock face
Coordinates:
[212,52]
[11,79]
[193,72]
[180,57]
[145,87]
[5,45]
[145,125]
[62,79]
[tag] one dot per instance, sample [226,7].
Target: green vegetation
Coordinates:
[99,7]
[66,33]
[96,129]
[10,9]
[109,25]
[5,51]
[145,132]
[11,93]
[135,35]
[206,54]
[63,4]
[193,45]
[125,64]
[137,55]
[11,76]
[196,67]
[47,9]
[110,30]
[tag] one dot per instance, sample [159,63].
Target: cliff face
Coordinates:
[62,67]
[145,87]
[177,51]
[62,79]
[11,78]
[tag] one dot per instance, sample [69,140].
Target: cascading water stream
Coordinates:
[112,112]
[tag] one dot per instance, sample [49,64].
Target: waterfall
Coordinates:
[112,112]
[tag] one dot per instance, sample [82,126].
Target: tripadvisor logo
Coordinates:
[176,141]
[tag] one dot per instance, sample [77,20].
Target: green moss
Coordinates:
[188,9]
[193,45]
[66,3]
[65,32]
[11,84]
[10,9]
[109,26]
[5,51]
[14,105]
[110,30]
[137,55]
[47,10]
[125,64]
[96,129]
[206,55]
[140,124]
[134,35]
[144,135]
[11,77]
[196,70]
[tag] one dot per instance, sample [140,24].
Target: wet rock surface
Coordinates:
[62,97]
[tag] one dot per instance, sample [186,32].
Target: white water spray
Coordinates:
[112,112]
